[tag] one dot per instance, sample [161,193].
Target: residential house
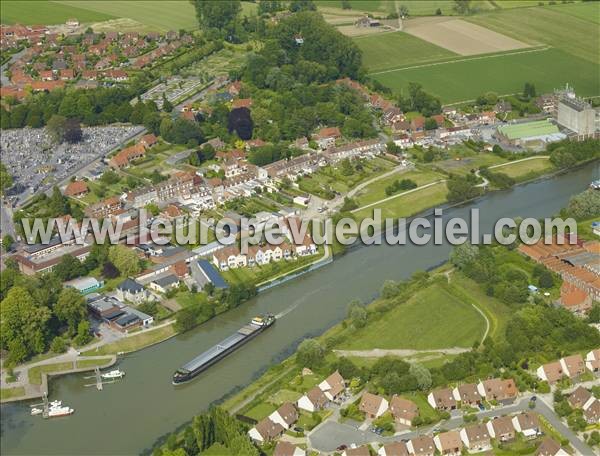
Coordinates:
[497,389]
[313,400]
[579,397]
[326,137]
[574,298]
[333,386]
[550,447]
[265,431]
[76,189]
[592,361]
[204,273]
[132,291]
[551,372]
[403,410]
[448,443]
[373,405]
[104,208]
[165,283]
[358,451]
[286,415]
[573,365]
[476,438]
[421,446]
[501,428]
[467,394]
[242,103]
[393,449]
[591,411]
[527,423]
[148,140]
[442,399]
[284,448]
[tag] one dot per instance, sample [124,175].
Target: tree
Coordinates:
[56,128]
[462,6]
[73,133]
[124,259]
[389,289]
[357,314]
[83,333]
[464,254]
[68,268]
[58,345]
[70,308]
[462,188]
[7,242]
[430,124]
[186,318]
[584,205]
[310,353]
[240,122]
[23,324]
[403,11]
[546,280]
[529,91]
[216,14]
[6,180]
[346,5]
[302,5]
[167,105]
[422,375]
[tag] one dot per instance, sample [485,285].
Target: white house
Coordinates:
[592,361]
[286,415]
[313,400]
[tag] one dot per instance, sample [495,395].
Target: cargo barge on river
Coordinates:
[202,362]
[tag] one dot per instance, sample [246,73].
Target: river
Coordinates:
[127,416]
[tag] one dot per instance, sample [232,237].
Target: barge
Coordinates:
[214,354]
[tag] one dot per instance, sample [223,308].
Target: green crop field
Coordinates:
[396,49]
[161,15]
[373,6]
[423,322]
[571,28]
[47,12]
[466,78]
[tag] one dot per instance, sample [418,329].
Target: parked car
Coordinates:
[342,447]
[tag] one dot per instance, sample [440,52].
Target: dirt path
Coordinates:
[403,352]
[399,195]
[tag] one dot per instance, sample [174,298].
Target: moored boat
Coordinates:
[113,374]
[55,412]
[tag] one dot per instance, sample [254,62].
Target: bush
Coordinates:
[58,345]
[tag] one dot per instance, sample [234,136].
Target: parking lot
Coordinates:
[37,164]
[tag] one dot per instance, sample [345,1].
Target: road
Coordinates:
[3,78]
[330,434]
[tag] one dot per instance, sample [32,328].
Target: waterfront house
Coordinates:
[467,394]
[421,446]
[403,410]
[393,449]
[132,291]
[265,431]
[476,438]
[284,448]
[313,400]
[442,399]
[333,386]
[501,428]
[528,424]
[373,405]
[286,415]
[448,443]
[497,389]
[204,273]
[550,447]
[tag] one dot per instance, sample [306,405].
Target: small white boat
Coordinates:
[36,411]
[55,412]
[55,403]
[113,374]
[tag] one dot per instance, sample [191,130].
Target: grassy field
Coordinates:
[372,6]
[571,28]
[137,342]
[35,373]
[410,204]
[47,12]
[523,169]
[395,49]
[376,190]
[432,318]
[85,363]
[381,8]
[466,78]
[9,393]
[463,160]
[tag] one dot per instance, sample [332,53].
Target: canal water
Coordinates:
[127,416]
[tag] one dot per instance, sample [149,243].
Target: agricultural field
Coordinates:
[466,78]
[422,323]
[396,49]
[372,6]
[571,28]
[47,12]
[460,36]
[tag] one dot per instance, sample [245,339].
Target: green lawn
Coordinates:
[260,411]
[92,363]
[9,393]
[432,318]
[217,450]
[284,395]
[397,49]
[463,160]
[47,12]
[466,78]
[137,342]
[376,190]
[425,410]
[373,6]
[570,28]
[410,204]
[35,373]
[522,170]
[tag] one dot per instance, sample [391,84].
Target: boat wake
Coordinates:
[284,312]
